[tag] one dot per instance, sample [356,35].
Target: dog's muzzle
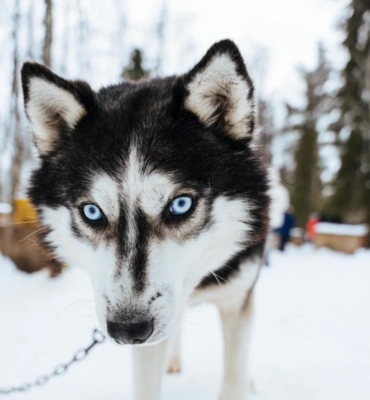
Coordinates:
[134,333]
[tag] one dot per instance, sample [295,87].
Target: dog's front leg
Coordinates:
[174,364]
[236,328]
[149,366]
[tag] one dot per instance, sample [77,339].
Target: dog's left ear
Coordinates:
[53,105]
[219,91]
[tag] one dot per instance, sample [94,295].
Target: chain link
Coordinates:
[98,337]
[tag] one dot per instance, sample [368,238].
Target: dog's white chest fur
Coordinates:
[232,294]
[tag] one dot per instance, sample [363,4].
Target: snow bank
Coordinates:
[341,229]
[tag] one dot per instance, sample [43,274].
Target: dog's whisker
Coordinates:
[84,308]
[33,233]
[74,303]
[214,315]
[222,289]
[195,324]
[91,317]
[24,223]
[192,332]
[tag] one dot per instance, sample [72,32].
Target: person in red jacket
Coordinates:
[311,226]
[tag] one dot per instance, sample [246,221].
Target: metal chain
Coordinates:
[98,337]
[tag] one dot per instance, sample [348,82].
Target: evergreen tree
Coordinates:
[305,178]
[135,70]
[351,186]
[305,191]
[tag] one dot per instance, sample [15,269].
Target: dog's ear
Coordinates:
[53,105]
[219,91]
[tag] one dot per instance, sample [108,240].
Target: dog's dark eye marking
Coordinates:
[93,216]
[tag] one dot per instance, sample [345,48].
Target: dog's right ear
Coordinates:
[54,106]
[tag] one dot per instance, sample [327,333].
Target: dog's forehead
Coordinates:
[135,186]
[140,184]
[142,103]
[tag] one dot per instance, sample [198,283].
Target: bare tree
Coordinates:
[30,30]
[16,126]
[121,32]
[83,35]
[161,34]
[48,38]
[30,56]
[65,42]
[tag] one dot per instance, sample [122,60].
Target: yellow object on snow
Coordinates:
[23,211]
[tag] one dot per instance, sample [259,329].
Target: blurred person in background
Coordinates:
[285,228]
[311,226]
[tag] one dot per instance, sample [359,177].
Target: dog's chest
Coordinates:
[230,294]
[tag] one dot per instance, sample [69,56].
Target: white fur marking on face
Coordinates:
[105,193]
[150,191]
[181,266]
[67,248]
[46,100]
[100,262]
[221,78]
[173,268]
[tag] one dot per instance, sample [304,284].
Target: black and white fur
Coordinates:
[130,149]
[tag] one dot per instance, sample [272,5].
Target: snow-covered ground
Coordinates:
[311,339]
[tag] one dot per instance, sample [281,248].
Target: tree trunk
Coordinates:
[30,31]
[161,34]
[48,39]
[16,168]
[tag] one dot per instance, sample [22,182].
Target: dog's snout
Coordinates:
[130,333]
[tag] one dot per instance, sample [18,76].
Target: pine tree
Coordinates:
[135,70]
[305,191]
[305,178]
[351,186]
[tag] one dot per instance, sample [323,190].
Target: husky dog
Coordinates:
[155,188]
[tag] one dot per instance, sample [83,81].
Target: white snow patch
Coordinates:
[341,229]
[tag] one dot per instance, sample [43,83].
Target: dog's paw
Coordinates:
[174,366]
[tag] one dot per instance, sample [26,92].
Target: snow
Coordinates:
[297,232]
[5,208]
[341,229]
[311,339]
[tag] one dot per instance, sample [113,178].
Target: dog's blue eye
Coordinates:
[181,205]
[92,212]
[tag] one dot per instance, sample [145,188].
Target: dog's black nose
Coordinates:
[136,333]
